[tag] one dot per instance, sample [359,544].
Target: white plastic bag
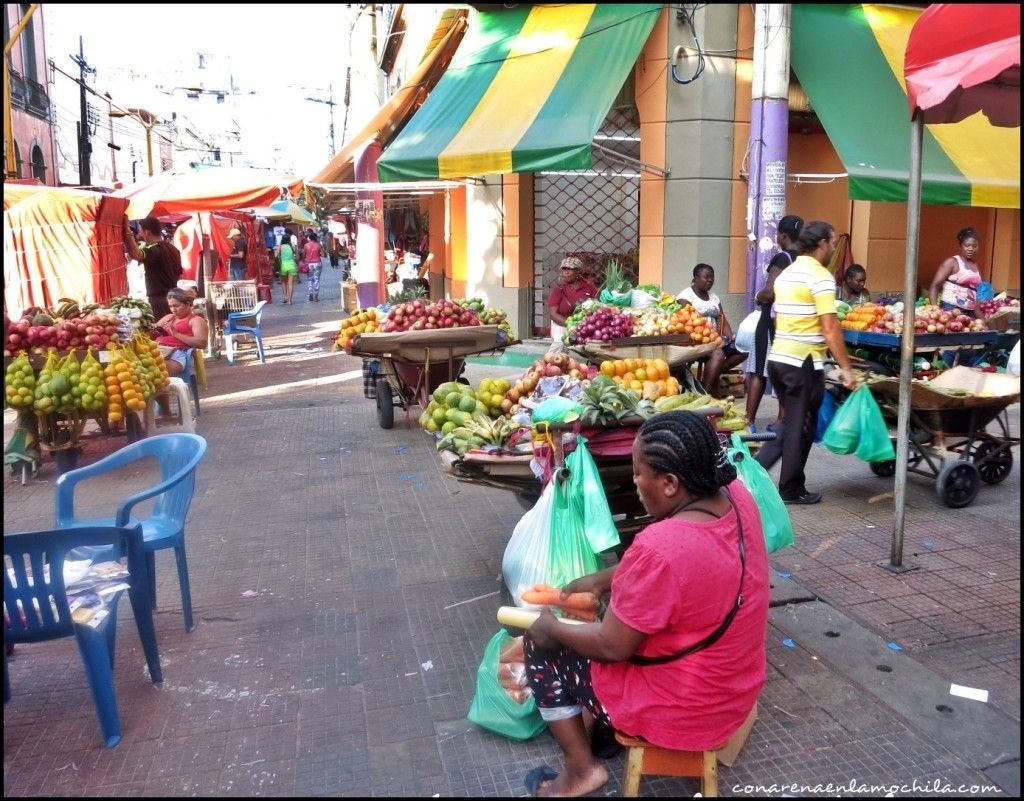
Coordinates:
[639,299]
[1013,363]
[745,332]
[525,562]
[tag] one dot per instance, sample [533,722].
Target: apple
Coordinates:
[931,328]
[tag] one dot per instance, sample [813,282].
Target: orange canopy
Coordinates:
[61,243]
[393,115]
[214,189]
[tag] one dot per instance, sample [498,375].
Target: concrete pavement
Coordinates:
[333,566]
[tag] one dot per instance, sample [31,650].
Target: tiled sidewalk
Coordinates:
[350,670]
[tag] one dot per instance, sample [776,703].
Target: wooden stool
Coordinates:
[644,758]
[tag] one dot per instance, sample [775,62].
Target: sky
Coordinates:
[277,55]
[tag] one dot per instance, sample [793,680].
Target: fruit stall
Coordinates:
[415,346]
[67,365]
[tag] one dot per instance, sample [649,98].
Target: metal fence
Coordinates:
[593,214]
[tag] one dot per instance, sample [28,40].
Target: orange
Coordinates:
[620,367]
[628,378]
[608,368]
[641,375]
[636,385]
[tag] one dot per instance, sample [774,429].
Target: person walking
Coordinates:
[312,254]
[237,267]
[756,367]
[289,267]
[806,328]
[160,260]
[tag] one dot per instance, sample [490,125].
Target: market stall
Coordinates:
[67,365]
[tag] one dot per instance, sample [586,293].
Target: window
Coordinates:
[27,40]
[38,164]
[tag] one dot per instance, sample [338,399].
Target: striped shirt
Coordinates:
[804,292]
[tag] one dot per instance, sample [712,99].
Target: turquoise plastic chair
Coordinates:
[178,455]
[244,322]
[36,610]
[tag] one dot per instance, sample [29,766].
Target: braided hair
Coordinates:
[685,445]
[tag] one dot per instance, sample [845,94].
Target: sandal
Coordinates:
[535,777]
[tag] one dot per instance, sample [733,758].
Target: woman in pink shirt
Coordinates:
[311,255]
[678,659]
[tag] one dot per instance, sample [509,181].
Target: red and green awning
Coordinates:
[526,92]
[849,60]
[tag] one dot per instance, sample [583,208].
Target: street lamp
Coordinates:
[149,121]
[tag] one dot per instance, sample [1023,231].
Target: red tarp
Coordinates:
[965,58]
[188,239]
[61,243]
[215,189]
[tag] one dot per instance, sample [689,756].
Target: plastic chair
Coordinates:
[36,607]
[178,455]
[239,323]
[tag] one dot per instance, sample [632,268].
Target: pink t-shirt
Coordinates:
[695,703]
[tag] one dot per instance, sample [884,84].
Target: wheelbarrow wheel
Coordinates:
[958,483]
[385,404]
[994,461]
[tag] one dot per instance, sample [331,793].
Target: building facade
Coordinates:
[27,94]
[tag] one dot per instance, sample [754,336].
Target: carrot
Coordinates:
[578,604]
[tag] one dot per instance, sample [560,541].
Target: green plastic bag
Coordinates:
[620,299]
[581,522]
[775,522]
[859,428]
[492,708]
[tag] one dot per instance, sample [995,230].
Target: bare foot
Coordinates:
[567,785]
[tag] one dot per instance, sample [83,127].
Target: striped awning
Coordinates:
[526,92]
[849,60]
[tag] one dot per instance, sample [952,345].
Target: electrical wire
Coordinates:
[687,16]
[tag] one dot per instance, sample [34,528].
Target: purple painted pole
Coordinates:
[368,268]
[766,194]
[769,134]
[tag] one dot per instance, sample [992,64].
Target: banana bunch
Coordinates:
[65,309]
[731,419]
[477,432]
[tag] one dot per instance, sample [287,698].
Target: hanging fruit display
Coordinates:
[362,322]
[19,383]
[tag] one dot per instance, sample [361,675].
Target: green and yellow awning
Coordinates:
[526,92]
[849,60]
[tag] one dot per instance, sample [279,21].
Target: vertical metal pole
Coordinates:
[907,337]
[330,105]
[211,312]
[149,144]
[84,147]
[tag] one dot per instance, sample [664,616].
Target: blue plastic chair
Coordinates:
[38,610]
[188,375]
[178,455]
[244,322]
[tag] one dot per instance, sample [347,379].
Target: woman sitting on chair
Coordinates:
[679,658]
[180,331]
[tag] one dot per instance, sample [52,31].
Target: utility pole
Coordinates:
[330,103]
[84,146]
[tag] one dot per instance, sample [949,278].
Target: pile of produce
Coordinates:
[19,383]
[928,319]
[64,327]
[362,322]
[418,315]
[467,418]
[699,328]
[988,308]
[599,323]
[550,366]
[138,311]
[488,315]
[650,377]
[605,403]
[731,419]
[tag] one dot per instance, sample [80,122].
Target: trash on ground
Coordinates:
[250,594]
[428,665]
[789,643]
[969,692]
[892,646]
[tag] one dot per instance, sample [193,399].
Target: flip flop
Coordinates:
[534,778]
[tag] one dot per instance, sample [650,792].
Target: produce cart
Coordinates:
[951,415]
[611,448]
[415,363]
[675,349]
[880,353]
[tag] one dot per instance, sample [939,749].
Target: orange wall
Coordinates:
[517,231]
[457,271]
[652,104]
